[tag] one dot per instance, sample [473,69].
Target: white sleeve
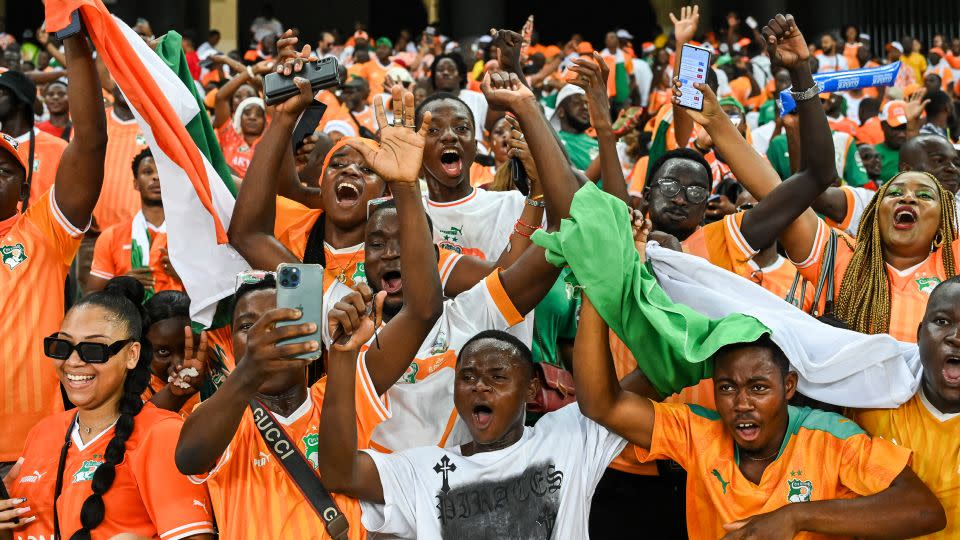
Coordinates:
[600,445]
[333,294]
[397,516]
[861,198]
[485,306]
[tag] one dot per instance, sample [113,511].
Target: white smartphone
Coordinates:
[694,66]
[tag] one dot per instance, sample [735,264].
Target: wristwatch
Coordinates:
[809,93]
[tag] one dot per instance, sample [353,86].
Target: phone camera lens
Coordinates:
[284,283]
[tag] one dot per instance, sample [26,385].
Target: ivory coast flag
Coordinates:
[198,191]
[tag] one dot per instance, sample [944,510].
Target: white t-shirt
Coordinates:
[421,402]
[479,224]
[478,106]
[643,74]
[762,136]
[541,487]
[836,62]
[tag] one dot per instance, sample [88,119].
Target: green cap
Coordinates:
[385,41]
[727,100]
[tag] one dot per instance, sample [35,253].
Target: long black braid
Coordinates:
[123,297]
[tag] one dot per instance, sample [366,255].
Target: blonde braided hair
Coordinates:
[863,301]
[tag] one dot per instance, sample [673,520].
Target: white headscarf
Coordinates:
[249,102]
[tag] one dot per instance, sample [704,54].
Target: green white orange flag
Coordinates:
[198,191]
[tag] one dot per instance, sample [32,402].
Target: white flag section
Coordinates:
[836,366]
[208,269]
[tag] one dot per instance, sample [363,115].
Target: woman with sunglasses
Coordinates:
[107,466]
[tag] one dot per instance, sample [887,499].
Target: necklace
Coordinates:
[88,429]
[342,270]
[768,458]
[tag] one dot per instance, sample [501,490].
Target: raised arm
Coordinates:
[242,75]
[593,79]
[906,509]
[254,216]
[208,430]
[343,468]
[80,173]
[600,395]
[783,210]
[529,279]
[398,161]
[684,29]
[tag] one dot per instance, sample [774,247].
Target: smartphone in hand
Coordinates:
[300,286]
[694,66]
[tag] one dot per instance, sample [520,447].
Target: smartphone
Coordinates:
[519,176]
[322,74]
[308,123]
[300,286]
[694,66]
[71,29]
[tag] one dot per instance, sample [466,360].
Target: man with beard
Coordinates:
[571,119]
[829,59]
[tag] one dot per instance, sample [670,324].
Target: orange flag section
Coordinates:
[141,91]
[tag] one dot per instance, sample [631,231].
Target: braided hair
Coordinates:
[122,296]
[863,301]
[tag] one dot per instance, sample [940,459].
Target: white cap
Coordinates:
[486,38]
[623,34]
[451,46]
[866,37]
[565,92]
[896,45]
[340,126]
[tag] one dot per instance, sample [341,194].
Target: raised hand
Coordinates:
[400,155]
[266,355]
[593,73]
[711,113]
[520,150]
[186,377]
[354,318]
[507,44]
[504,91]
[916,104]
[685,27]
[785,43]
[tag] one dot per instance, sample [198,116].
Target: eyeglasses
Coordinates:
[251,277]
[91,353]
[694,194]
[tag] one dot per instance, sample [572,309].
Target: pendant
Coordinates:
[341,277]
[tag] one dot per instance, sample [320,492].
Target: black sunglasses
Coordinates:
[694,194]
[91,353]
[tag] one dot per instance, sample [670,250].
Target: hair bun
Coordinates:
[127,287]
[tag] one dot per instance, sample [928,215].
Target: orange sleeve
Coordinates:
[954,61]
[810,265]
[62,235]
[672,434]
[851,205]
[372,409]
[293,224]
[638,177]
[103,265]
[870,464]
[502,299]
[178,507]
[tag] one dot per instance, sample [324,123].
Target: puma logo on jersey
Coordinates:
[200,504]
[723,483]
[32,478]
[262,460]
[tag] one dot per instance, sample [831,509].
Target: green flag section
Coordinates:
[672,343]
[170,50]
[658,145]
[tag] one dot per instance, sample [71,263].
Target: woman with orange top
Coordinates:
[499,146]
[106,467]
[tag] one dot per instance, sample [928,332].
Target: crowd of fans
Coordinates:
[479,367]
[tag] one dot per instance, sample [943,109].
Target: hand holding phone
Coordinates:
[308,123]
[322,74]
[300,287]
[694,66]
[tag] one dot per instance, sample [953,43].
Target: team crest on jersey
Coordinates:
[360,275]
[13,255]
[440,345]
[86,470]
[141,140]
[36,165]
[311,445]
[243,148]
[927,284]
[799,490]
[410,375]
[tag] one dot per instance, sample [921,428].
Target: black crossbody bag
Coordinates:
[300,471]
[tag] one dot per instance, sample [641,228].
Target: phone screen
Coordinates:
[694,66]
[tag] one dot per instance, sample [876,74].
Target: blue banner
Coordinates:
[837,81]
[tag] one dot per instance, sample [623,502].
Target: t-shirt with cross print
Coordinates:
[538,488]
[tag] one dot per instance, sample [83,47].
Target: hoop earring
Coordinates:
[937,242]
